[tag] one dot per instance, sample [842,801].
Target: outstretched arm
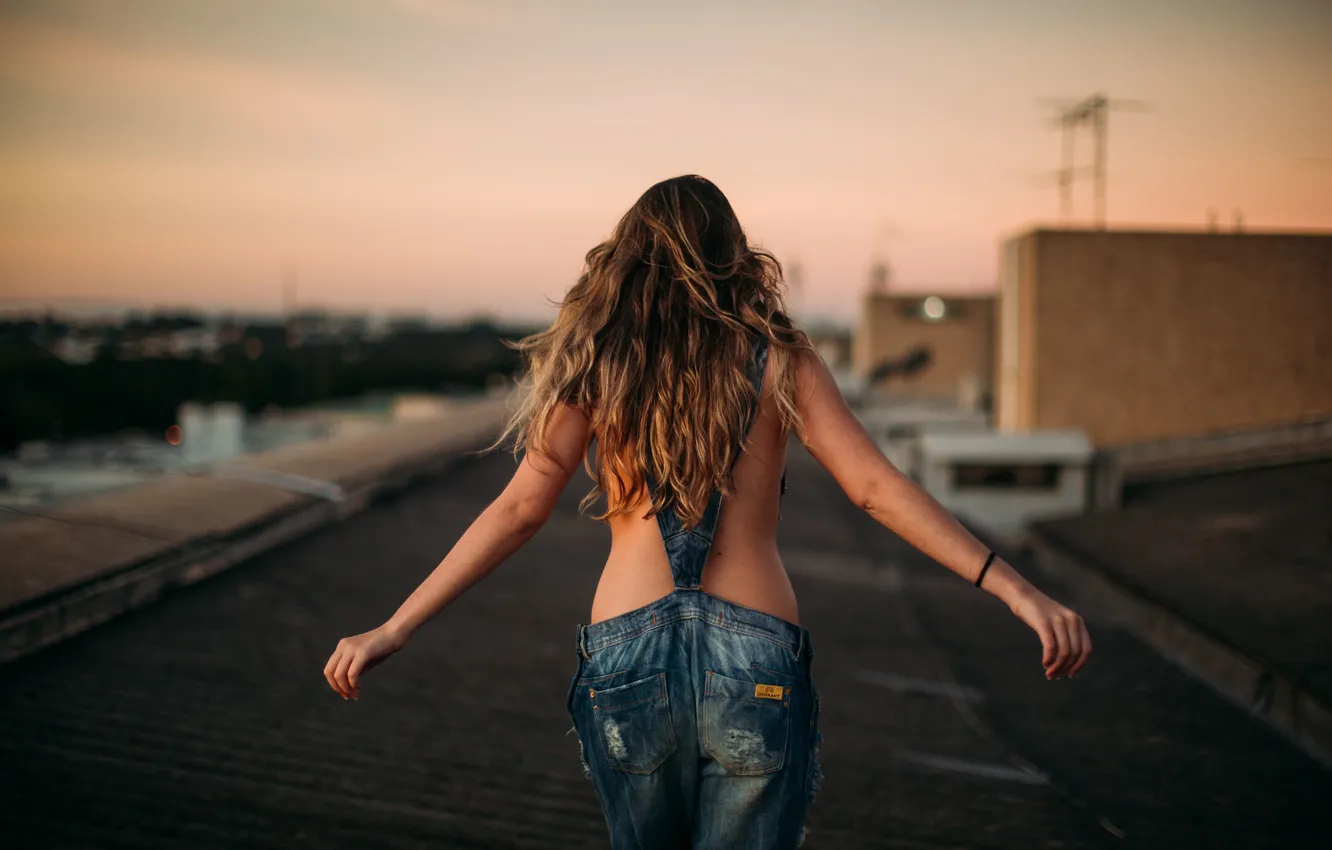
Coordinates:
[839,442]
[501,529]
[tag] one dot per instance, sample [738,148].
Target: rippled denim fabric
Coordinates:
[698,721]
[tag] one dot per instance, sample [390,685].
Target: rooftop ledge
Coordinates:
[89,559]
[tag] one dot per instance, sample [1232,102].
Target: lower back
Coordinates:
[743,564]
[743,567]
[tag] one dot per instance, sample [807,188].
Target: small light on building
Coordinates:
[933,308]
[173,435]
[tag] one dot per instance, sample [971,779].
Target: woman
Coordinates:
[693,697]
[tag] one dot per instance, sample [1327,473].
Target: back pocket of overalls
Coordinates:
[634,724]
[746,724]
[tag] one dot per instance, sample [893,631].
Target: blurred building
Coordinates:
[952,336]
[211,432]
[832,342]
[1135,336]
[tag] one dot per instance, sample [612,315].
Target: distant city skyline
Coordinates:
[458,157]
[84,310]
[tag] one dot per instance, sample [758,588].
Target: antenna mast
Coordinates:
[1092,112]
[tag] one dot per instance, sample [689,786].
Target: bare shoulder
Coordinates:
[565,442]
[815,384]
[833,433]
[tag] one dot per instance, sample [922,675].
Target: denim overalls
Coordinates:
[698,718]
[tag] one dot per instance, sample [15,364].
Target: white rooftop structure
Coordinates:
[1004,481]
[1019,446]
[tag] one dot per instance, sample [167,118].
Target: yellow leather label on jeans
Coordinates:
[768,691]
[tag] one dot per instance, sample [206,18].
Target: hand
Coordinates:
[1062,632]
[355,655]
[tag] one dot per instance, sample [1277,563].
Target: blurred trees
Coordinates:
[131,384]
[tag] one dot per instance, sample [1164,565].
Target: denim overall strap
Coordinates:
[687,549]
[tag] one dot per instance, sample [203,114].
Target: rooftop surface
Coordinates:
[1245,556]
[203,720]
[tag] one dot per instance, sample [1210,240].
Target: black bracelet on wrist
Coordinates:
[988,561]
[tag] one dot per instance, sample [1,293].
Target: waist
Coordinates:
[755,580]
[694,604]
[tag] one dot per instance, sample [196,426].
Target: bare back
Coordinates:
[743,567]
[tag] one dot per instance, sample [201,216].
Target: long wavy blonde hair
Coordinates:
[654,342]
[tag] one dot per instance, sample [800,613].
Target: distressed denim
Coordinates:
[698,721]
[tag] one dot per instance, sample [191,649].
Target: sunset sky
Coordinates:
[460,156]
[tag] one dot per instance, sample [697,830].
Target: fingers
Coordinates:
[352,657]
[354,675]
[340,675]
[1048,644]
[1073,646]
[337,670]
[1086,646]
[1060,628]
[331,667]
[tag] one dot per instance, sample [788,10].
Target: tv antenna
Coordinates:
[881,271]
[1090,112]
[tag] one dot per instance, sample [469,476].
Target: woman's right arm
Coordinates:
[837,440]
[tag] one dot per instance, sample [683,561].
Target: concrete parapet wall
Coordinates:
[1226,451]
[1206,454]
[85,562]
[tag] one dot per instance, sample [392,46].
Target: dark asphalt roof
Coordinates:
[1246,556]
[204,720]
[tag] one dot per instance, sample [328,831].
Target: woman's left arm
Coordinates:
[501,529]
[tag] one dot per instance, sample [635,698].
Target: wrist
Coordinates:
[397,631]
[1004,582]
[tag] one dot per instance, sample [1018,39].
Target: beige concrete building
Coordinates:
[958,332]
[1136,336]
